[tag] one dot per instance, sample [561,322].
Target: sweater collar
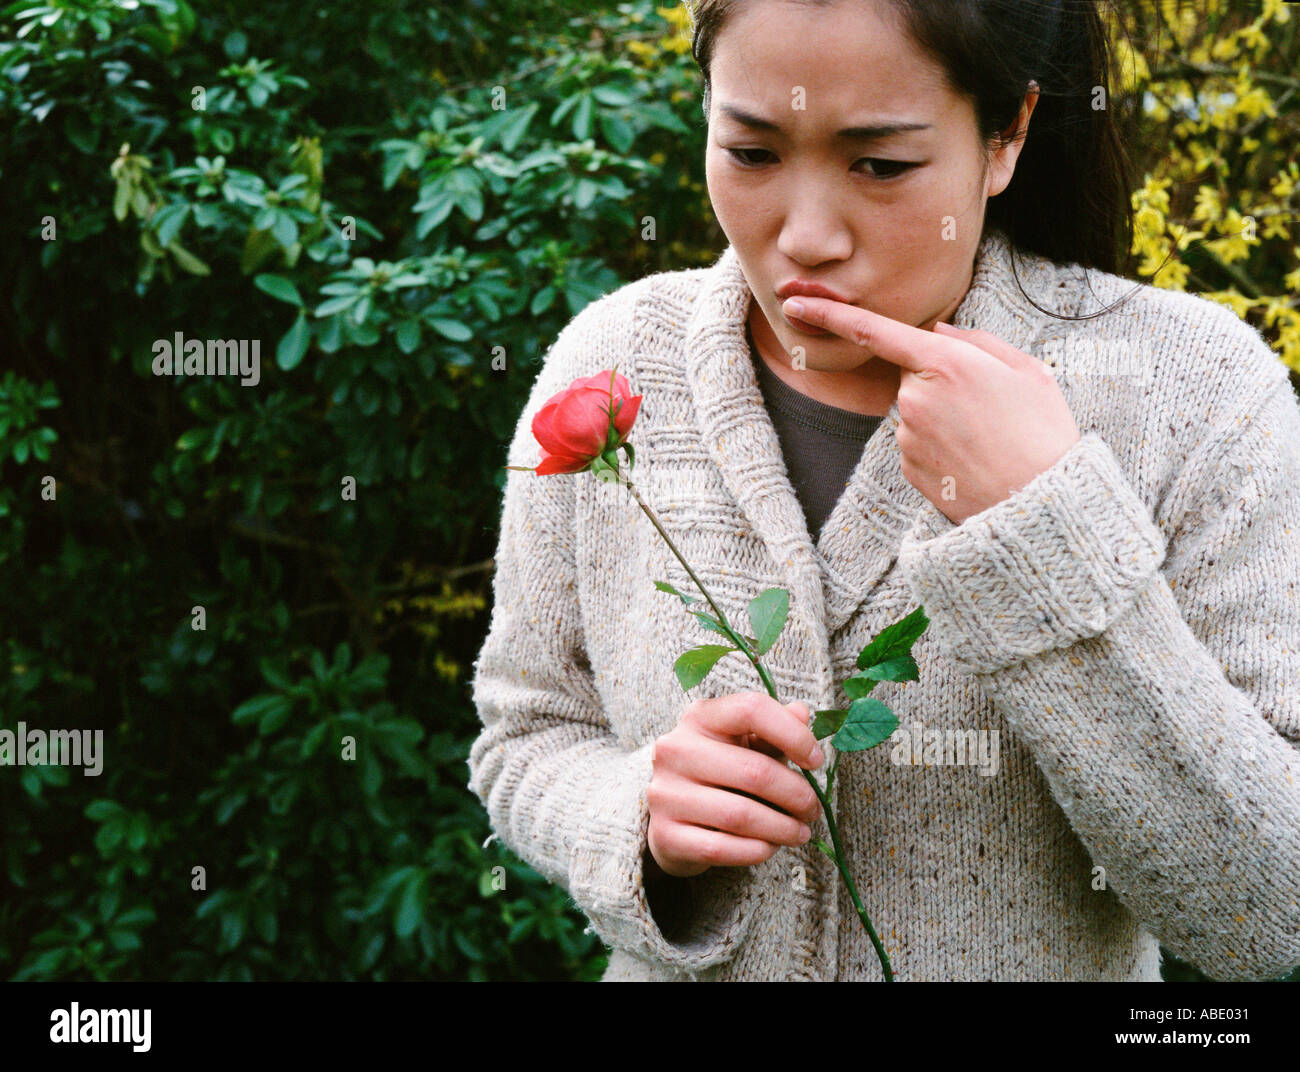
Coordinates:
[860,540]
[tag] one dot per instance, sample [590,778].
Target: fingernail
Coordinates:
[804,832]
[816,756]
[794,307]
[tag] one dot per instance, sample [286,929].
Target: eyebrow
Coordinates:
[871,133]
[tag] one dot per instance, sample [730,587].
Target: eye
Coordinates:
[900,166]
[739,156]
[880,168]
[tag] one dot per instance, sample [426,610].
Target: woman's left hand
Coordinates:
[979,419]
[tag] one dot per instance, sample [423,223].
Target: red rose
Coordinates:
[574,427]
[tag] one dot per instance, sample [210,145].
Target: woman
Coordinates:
[1095,495]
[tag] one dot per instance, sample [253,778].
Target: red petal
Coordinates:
[626,416]
[543,423]
[601,380]
[600,399]
[560,463]
[573,425]
[580,424]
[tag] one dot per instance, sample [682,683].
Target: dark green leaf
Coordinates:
[451,329]
[408,335]
[900,668]
[827,722]
[278,287]
[232,931]
[894,640]
[709,622]
[612,96]
[582,118]
[110,834]
[167,222]
[693,666]
[410,907]
[123,940]
[337,305]
[255,708]
[275,716]
[102,810]
[542,300]
[186,260]
[767,614]
[312,741]
[664,586]
[868,723]
[293,345]
[136,917]
[285,229]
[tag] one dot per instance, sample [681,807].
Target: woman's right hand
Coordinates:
[719,749]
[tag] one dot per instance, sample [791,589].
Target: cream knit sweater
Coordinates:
[1121,637]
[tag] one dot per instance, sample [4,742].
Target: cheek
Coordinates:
[962,189]
[941,193]
[919,274]
[720,186]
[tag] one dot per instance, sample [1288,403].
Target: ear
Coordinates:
[1002,165]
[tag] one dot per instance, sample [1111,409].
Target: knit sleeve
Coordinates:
[560,788]
[1162,706]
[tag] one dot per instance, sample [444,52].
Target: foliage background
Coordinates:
[382,194]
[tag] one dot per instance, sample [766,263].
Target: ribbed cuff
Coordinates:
[607,879]
[1055,563]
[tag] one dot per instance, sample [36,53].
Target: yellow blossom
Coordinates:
[1173,276]
[1275,11]
[1207,205]
[1132,67]
[1276,226]
[1238,303]
[1224,48]
[679,18]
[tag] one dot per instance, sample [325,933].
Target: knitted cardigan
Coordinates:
[1125,629]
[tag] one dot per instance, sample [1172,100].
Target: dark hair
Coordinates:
[1070,196]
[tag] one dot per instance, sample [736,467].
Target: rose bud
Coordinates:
[584,424]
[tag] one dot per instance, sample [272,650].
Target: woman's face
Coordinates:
[891,222]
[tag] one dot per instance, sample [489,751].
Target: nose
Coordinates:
[814,230]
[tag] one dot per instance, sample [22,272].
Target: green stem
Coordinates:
[835,842]
[722,618]
[771,690]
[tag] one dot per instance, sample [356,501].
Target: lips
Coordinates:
[809,289]
[804,326]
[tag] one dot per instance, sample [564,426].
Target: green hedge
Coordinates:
[342,190]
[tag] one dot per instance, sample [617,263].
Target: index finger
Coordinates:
[738,715]
[896,342]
